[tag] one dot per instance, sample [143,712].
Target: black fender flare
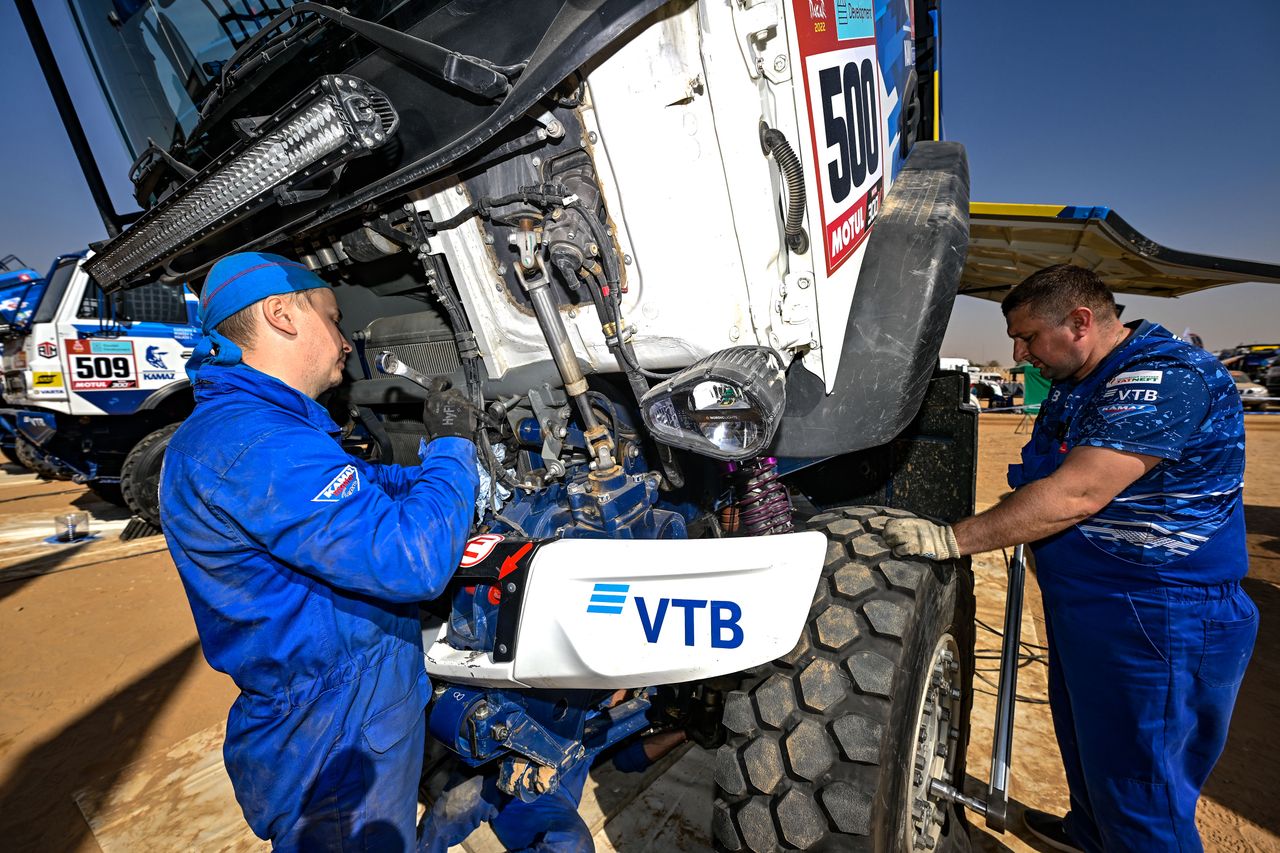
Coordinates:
[165,395]
[906,287]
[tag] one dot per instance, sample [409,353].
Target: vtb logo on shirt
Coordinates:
[344,485]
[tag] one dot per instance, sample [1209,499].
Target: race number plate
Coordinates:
[842,87]
[101,365]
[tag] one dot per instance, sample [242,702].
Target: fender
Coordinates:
[166,395]
[915,256]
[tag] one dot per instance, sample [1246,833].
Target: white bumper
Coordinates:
[602,613]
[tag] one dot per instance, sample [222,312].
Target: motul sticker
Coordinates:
[345,484]
[842,86]
[479,547]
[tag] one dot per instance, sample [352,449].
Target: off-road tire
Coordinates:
[820,741]
[140,475]
[33,460]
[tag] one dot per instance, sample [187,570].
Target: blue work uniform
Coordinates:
[304,567]
[1149,631]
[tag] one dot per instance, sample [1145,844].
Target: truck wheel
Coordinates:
[31,458]
[140,476]
[832,746]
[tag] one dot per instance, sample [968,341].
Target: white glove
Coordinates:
[915,537]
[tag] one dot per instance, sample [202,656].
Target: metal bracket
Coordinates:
[756,22]
[996,807]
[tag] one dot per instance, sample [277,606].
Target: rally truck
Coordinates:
[693,263]
[94,384]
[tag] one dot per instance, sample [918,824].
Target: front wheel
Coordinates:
[140,475]
[34,459]
[833,746]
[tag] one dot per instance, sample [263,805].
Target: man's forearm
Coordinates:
[1036,510]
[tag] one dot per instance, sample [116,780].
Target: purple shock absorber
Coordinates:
[765,506]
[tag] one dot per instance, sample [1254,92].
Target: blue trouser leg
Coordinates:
[549,823]
[1142,689]
[363,799]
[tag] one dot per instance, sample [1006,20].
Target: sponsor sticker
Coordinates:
[47,349]
[608,598]
[1119,411]
[46,379]
[478,547]
[101,365]
[855,19]
[1137,377]
[842,85]
[347,483]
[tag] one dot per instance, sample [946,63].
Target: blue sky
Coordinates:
[1165,112]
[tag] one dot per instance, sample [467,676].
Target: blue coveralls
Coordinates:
[1149,631]
[304,567]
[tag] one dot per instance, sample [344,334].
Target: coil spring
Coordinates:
[765,506]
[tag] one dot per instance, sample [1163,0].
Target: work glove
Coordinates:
[915,537]
[448,412]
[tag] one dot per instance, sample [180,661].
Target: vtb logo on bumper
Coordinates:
[723,629]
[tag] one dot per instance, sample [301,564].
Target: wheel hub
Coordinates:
[936,746]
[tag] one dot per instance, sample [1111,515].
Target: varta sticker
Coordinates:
[1137,377]
[344,485]
[1119,411]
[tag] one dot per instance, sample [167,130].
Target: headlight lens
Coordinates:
[727,406]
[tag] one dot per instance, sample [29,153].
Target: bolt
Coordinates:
[941,750]
[497,285]
[570,235]
[592,137]
[626,259]
[459,189]
[562,432]
[803,283]
[500,732]
[425,248]
[541,134]
[502,647]
[573,312]
[502,269]
[536,161]
[483,711]
[779,63]
[917,778]
[593,249]
[488,238]
[558,212]
[955,693]
[734,333]
[953,734]
[511,587]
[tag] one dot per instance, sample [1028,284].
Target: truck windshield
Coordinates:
[52,296]
[157,59]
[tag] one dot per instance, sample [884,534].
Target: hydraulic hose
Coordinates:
[789,164]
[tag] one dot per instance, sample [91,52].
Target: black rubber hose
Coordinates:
[789,164]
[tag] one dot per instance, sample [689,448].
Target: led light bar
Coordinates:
[335,120]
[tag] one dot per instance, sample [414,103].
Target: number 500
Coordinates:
[857,132]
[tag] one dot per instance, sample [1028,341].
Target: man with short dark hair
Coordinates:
[305,566]
[1130,495]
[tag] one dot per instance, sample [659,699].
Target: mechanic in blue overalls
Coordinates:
[305,566]
[1130,495]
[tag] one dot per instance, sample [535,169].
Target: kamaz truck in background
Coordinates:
[94,385]
[695,261]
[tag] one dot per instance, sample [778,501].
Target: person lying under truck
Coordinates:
[1129,494]
[304,566]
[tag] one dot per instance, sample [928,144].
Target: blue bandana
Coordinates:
[236,282]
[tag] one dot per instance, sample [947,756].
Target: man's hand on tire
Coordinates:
[915,537]
[448,412]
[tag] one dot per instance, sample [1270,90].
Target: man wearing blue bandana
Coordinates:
[1130,495]
[305,566]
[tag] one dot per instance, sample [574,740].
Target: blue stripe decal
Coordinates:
[612,587]
[599,608]
[1083,212]
[609,599]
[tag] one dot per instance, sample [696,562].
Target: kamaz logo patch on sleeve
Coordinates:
[1137,377]
[344,485]
[1118,411]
